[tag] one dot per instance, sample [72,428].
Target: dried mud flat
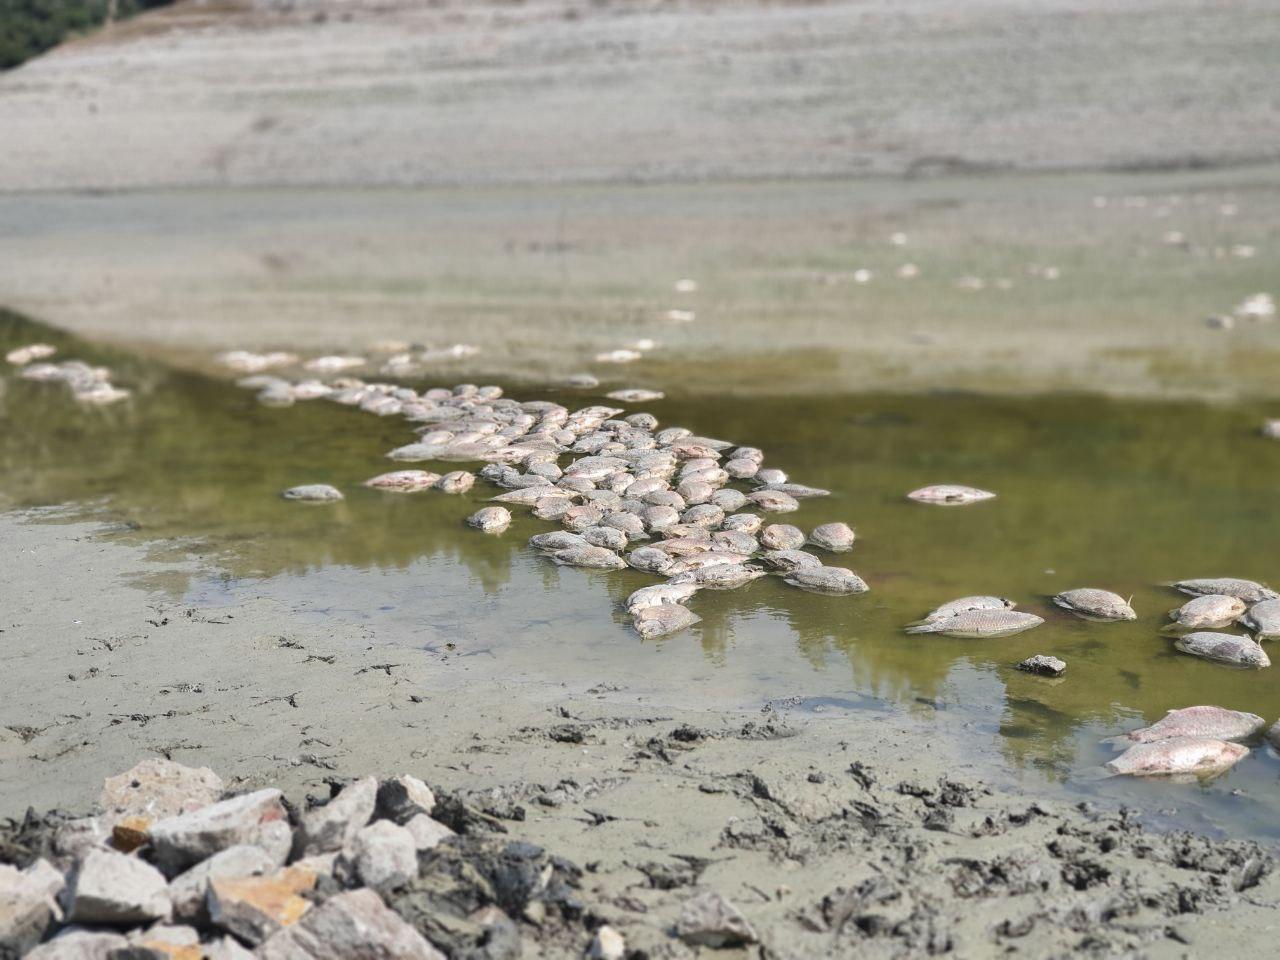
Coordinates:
[832,835]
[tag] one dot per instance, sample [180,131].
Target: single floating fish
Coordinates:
[1102,606]
[659,594]
[1224,648]
[490,519]
[837,581]
[1203,721]
[836,537]
[976,624]
[964,605]
[1200,756]
[949,494]
[1210,612]
[403,481]
[664,620]
[313,493]
[1247,590]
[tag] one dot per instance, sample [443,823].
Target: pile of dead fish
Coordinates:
[87,384]
[660,501]
[1194,742]
[174,867]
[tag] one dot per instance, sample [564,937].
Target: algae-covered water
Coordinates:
[1092,492]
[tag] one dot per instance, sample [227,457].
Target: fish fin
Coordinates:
[919,623]
[1175,630]
[920,628]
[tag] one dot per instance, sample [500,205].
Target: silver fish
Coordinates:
[650,560]
[593,558]
[797,490]
[1246,590]
[1088,603]
[403,481]
[611,538]
[964,605]
[981,623]
[949,494]
[786,561]
[1202,721]
[744,522]
[718,576]
[659,594]
[781,536]
[833,580]
[836,537]
[663,620]
[1200,756]
[490,519]
[1210,612]
[1224,648]
[774,501]
[1264,620]
[459,481]
[556,540]
[313,493]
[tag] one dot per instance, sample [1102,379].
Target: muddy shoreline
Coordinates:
[834,834]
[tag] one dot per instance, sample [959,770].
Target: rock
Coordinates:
[712,921]
[427,832]
[188,891]
[75,838]
[1043,666]
[403,798]
[112,888]
[254,908]
[226,948]
[385,855]
[333,826]
[157,789]
[607,944]
[162,942]
[28,905]
[355,926]
[78,944]
[130,833]
[258,819]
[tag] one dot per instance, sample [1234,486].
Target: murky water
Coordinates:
[1092,492]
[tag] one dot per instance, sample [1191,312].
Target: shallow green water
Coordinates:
[1092,492]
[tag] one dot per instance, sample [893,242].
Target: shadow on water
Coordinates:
[1095,492]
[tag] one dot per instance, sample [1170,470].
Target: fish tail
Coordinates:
[920,628]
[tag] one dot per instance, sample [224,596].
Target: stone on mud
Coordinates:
[607,944]
[158,789]
[712,921]
[112,888]
[355,926]
[254,908]
[1043,665]
[334,826]
[258,819]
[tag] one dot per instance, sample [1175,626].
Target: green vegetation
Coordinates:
[30,27]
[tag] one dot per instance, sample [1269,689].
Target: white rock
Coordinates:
[159,789]
[427,832]
[113,888]
[607,944]
[710,920]
[28,905]
[334,826]
[354,926]
[258,819]
[385,855]
[188,890]
[78,944]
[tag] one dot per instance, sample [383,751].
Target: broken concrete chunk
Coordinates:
[227,948]
[187,891]
[355,926]
[385,855]
[427,832]
[76,943]
[258,819]
[1043,666]
[254,908]
[112,888]
[607,944]
[158,789]
[161,942]
[712,921]
[28,905]
[333,826]
[403,798]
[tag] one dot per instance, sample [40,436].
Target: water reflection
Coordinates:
[1091,492]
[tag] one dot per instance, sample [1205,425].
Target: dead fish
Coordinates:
[705,515]
[650,560]
[711,558]
[658,594]
[770,476]
[551,508]
[490,519]
[313,493]
[742,469]
[1100,606]
[618,356]
[964,605]
[663,620]
[635,395]
[949,494]
[459,481]
[735,542]
[832,580]
[974,624]
[556,540]
[1271,429]
[528,496]
[688,546]
[100,394]
[729,500]
[611,538]
[403,481]
[416,452]
[774,501]
[1247,590]
[782,536]
[1264,620]
[593,558]
[695,492]
[718,576]
[1202,756]
[333,364]
[786,561]
[579,518]
[33,351]
[836,537]
[628,523]
[1210,612]
[797,490]
[742,522]
[1204,721]
[659,518]
[1224,648]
